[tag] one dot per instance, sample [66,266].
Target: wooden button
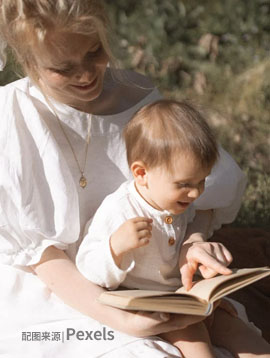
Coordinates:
[168,220]
[171,241]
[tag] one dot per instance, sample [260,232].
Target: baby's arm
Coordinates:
[102,262]
[131,235]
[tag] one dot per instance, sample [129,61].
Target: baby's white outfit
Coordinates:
[154,266]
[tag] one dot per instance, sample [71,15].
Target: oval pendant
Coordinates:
[83,182]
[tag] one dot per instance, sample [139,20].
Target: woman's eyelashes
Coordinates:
[92,53]
[96,50]
[62,71]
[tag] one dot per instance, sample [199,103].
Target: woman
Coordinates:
[61,154]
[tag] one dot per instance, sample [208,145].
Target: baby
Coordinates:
[136,236]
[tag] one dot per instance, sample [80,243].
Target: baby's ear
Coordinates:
[139,172]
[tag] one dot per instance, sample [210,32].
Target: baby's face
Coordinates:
[175,190]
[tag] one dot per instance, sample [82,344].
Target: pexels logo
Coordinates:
[103,335]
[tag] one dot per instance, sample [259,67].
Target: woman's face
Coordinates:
[74,74]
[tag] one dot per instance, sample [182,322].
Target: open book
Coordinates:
[198,300]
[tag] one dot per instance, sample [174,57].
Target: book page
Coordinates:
[141,300]
[205,288]
[235,284]
[138,293]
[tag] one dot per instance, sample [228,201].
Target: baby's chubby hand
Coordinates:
[132,234]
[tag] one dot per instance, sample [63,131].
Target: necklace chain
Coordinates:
[82,180]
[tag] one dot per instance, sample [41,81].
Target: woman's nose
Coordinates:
[85,74]
[83,77]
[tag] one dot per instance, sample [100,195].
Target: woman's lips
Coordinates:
[87,86]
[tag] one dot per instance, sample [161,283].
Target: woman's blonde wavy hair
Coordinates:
[24,25]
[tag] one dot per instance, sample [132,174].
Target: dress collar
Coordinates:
[77,120]
[74,119]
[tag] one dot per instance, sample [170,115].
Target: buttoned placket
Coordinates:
[168,221]
[170,227]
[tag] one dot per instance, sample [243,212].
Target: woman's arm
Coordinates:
[60,274]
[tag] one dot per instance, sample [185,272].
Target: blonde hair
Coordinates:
[163,129]
[24,24]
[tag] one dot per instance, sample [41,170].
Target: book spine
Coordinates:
[209,309]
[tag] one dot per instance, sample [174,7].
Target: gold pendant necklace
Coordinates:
[82,180]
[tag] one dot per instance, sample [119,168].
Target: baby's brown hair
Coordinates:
[165,128]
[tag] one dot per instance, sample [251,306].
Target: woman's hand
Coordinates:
[210,257]
[142,324]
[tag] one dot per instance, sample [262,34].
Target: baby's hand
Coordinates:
[130,235]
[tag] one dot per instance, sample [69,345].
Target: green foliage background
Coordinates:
[217,53]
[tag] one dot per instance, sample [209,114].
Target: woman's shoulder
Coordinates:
[12,98]
[8,93]
[21,84]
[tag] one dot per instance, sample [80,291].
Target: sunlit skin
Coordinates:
[75,74]
[171,190]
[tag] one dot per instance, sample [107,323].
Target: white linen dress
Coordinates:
[41,204]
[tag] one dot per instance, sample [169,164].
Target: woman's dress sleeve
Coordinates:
[223,193]
[38,202]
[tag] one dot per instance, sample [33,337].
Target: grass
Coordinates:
[239,112]
[217,54]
